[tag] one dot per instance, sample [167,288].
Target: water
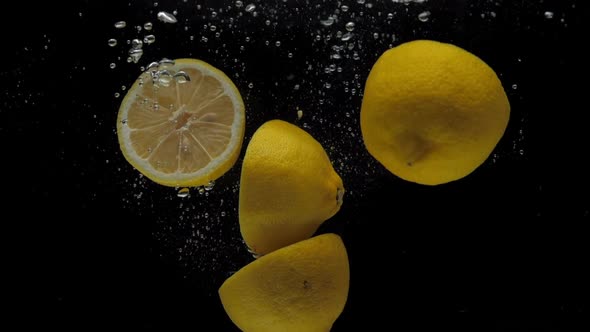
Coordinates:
[307,64]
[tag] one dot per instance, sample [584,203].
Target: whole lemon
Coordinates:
[301,288]
[288,187]
[432,112]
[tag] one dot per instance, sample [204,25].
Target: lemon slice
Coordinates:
[182,123]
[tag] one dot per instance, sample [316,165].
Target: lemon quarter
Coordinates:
[299,288]
[288,187]
[182,123]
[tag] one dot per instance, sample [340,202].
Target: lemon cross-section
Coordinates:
[182,123]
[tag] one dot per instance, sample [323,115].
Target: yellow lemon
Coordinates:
[432,112]
[182,123]
[301,288]
[287,189]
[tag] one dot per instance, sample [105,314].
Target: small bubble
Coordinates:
[349,26]
[389,16]
[164,77]
[251,85]
[181,77]
[183,193]
[424,16]
[239,4]
[299,114]
[514,86]
[149,39]
[166,17]
[548,15]
[117,95]
[327,22]
[123,88]
[360,1]
[278,43]
[136,44]
[120,24]
[112,65]
[135,55]
[250,8]
[344,8]
[112,42]
[376,35]
[209,186]
[213,28]
[148,26]
[346,37]
[201,190]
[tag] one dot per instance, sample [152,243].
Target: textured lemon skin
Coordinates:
[432,112]
[226,161]
[288,187]
[301,288]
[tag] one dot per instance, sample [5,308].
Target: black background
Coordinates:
[95,246]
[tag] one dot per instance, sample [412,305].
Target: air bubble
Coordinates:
[424,16]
